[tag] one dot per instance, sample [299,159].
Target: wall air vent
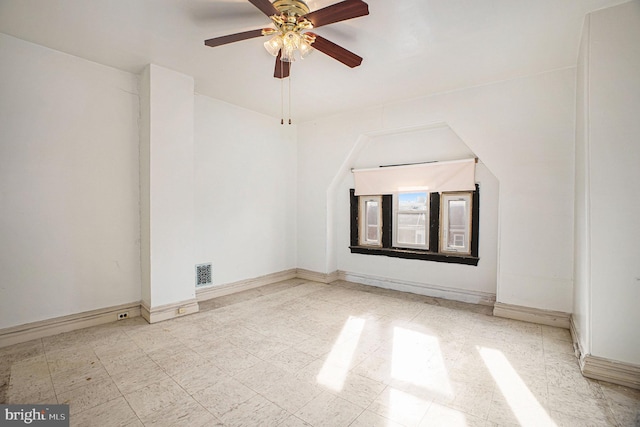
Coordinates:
[203,275]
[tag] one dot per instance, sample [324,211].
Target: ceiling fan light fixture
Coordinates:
[305,45]
[274,45]
[290,43]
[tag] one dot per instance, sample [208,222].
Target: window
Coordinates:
[441,227]
[370,212]
[410,213]
[456,223]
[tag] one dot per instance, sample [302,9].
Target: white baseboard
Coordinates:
[57,325]
[462,295]
[575,339]
[534,315]
[314,276]
[168,311]
[210,292]
[599,368]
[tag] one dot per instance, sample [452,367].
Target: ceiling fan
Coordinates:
[291,18]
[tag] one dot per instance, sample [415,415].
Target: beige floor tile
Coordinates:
[359,390]
[371,419]
[142,374]
[258,345]
[567,376]
[471,398]
[22,351]
[564,420]
[227,357]
[118,359]
[400,406]
[261,376]
[68,380]
[71,358]
[189,413]
[152,339]
[329,410]
[257,411]
[556,333]
[291,393]
[293,421]
[176,357]
[623,402]
[30,382]
[291,360]
[113,413]
[157,397]
[440,415]
[557,346]
[197,377]
[222,397]
[20,394]
[89,396]
[577,405]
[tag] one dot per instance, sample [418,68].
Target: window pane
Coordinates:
[372,213]
[457,232]
[411,220]
[411,229]
[412,201]
[371,221]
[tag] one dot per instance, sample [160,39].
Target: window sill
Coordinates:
[416,254]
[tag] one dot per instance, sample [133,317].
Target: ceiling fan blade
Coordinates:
[231,38]
[265,7]
[339,53]
[342,11]
[282,68]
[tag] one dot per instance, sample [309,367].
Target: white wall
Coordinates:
[245,192]
[69,220]
[613,103]
[167,147]
[522,130]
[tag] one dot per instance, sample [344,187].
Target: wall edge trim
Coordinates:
[315,276]
[44,328]
[216,291]
[168,311]
[462,295]
[612,371]
[558,319]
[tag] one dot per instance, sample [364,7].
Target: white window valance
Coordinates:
[457,175]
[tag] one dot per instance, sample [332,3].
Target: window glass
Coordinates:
[372,219]
[456,222]
[370,212]
[410,219]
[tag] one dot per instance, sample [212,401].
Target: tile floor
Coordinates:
[300,353]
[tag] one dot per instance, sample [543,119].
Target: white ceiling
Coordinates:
[410,48]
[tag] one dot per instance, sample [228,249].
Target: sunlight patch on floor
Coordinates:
[337,364]
[521,401]
[417,359]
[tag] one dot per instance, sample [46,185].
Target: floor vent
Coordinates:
[203,275]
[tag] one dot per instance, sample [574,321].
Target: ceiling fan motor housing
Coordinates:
[291,8]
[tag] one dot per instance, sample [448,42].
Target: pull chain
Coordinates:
[281,95]
[289,98]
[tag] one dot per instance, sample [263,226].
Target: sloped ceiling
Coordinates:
[410,48]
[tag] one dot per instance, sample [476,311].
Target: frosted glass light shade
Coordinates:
[274,45]
[305,48]
[290,43]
